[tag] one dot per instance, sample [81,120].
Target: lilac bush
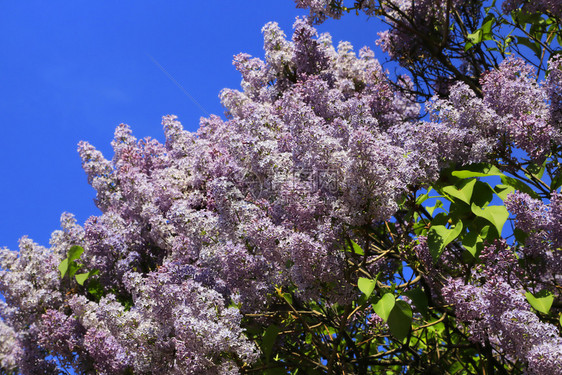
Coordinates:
[295,234]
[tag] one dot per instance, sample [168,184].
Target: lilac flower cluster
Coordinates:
[189,239]
[199,231]
[543,225]
[320,10]
[411,22]
[10,349]
[543,6]
[514,112]
[554,90]
[495,310]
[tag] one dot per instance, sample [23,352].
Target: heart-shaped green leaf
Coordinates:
[400,320]
[63,267]
[497,215]
[541,301]
[366,286]
[385,306]
[82,277]
[75,252]
[440,236]
[462,192]
[419,298]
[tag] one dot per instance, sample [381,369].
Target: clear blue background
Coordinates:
[74,70]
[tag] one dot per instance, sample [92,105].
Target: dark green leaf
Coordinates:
[536,170]
[440,236]
[400,320]
[519,185]
[95,289]
[473,243]
[482,194]
[268,340]
[556,181]
[419,299]
[275,371]
[532,45]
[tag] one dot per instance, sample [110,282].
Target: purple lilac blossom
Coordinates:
[553,7]
[554,90]
[514,112]
[494,308]
[196,232]
[215,219]
[542,222]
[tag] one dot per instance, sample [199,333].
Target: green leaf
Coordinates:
[503,191]
[487,27]
[475,37]
[438,204]
[419,298]
[440,236]
[268,340]
[485,231]
[82,277]
[532,45]
[422,198]
[473,243]
[519,185]
[462,192]
[478,170]
[482,194]
[384,306]
[63,267]
[497,215]
[73,267]
[556,181]
[366,286]
[400,320]
[357,249]
[288,297]
[541,301]
[95,289]
[354,248]
[75,252]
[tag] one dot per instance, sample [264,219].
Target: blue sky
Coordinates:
[74,70]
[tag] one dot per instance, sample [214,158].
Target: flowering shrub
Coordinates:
[297,234]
